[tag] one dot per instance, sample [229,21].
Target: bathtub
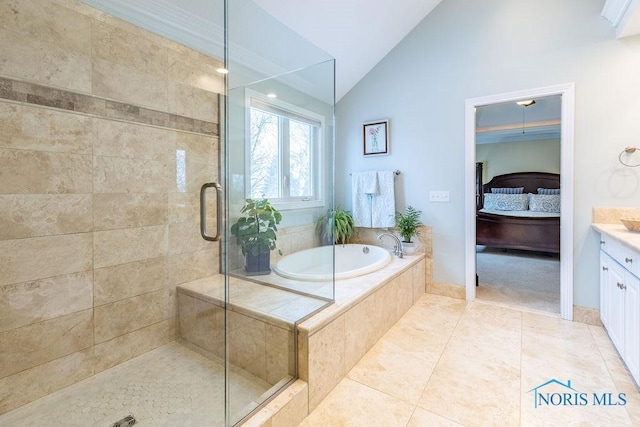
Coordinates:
[316,264]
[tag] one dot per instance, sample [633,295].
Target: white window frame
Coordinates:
[318,160]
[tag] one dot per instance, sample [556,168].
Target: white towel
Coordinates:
[370,185]
[383,204]
[364,185]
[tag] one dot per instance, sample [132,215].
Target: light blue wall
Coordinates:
[470,48]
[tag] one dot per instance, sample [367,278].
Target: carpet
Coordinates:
[519,278]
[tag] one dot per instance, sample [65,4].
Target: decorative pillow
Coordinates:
[544,203]
[506,202]
[548,191]
[508,190]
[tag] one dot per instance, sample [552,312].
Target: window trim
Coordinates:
[318,158]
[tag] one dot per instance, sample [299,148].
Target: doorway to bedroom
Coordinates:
[519,150]
[518,203]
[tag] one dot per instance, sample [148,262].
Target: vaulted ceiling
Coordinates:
[357,33]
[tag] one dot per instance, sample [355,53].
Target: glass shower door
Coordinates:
[112,305]
[278,174]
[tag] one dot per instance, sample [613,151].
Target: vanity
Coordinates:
[620,291]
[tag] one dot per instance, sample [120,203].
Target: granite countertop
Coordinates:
[619,232]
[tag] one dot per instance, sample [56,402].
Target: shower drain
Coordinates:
[127,421]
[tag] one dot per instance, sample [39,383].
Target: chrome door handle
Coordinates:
[203,211]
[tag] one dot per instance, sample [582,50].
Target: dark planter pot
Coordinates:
[257,264]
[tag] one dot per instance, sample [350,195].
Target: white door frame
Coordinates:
[567,91]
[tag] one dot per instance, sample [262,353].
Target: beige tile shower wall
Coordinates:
[107,133]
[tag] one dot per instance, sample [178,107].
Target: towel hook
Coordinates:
[628,151]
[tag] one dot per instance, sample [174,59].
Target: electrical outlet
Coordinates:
[438,196]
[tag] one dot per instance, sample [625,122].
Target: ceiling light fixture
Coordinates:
[525,103]
[222,71]
[272,95]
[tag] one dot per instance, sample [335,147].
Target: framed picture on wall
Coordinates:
[375,138]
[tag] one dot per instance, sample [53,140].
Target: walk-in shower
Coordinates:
[113,115]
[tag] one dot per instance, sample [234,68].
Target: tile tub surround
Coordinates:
[107,132]
[261,323]
[333,340]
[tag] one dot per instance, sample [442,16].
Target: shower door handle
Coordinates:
[203,211]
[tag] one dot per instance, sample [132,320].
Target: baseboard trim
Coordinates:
[446,290]
[590,316]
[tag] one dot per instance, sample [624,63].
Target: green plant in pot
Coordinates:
[335,226]
[407,224]
[255,233]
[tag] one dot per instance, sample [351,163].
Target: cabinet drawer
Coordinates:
[611,247]
[628,258]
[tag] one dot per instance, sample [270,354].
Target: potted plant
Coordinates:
[407,225]
[255,233]
[336,226]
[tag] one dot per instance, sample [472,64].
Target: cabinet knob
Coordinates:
[628,260]
[604,268]
[623,287]
[602,242]
[619,285]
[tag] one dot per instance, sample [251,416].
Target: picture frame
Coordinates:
[375,138]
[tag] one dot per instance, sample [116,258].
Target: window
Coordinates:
[284,154]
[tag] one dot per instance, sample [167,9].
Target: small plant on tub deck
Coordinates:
[336,225]
[255,233]
[407,224]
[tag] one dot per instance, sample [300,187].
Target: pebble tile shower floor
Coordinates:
[169,386]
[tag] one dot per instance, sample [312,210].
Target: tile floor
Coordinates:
[452,363]
[170,386]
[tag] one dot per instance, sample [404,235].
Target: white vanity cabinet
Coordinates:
[620,300]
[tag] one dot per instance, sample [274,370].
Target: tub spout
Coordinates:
[397,249]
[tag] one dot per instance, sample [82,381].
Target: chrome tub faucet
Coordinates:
[397,249]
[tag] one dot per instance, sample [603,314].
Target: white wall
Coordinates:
[466,49]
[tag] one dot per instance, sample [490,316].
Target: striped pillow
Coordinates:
[507,190]
[548,191]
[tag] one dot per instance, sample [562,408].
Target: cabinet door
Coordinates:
[605,304]
[616,305]
[632,325]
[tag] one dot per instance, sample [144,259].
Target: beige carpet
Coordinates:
[519,278]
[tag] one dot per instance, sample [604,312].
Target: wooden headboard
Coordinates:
[531,181]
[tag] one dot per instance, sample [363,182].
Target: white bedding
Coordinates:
[527,214]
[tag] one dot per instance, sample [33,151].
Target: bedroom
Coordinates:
[518,252]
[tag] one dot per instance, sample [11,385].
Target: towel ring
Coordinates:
[628,150]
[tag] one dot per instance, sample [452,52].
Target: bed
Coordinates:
[531,231]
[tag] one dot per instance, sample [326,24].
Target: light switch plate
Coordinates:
[439,196]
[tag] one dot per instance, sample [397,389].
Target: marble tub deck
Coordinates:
[271,304]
